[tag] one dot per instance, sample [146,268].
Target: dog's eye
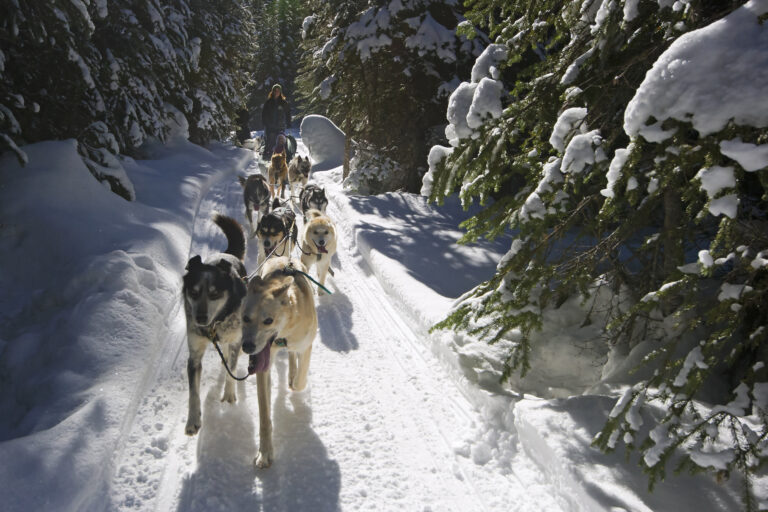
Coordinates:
[194,293]
[268,321]
[246,319]
[214,294]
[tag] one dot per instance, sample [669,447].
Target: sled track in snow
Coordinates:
[153,428]
[377,428]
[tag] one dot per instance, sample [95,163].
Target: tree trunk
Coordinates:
[673,249]
[347,151]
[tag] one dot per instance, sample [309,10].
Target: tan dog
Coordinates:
[318,244]
[279,312]
[277,173]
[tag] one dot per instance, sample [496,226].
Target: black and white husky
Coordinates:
[312,197]
[277,232]
[213,299]
[256,197]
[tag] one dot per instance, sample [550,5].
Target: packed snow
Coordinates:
[93,350]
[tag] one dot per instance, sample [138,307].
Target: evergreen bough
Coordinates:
[690,284]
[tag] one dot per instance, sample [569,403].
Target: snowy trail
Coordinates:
[377,429]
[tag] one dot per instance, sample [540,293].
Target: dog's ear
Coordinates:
[255,282]
[193,262]
[224,265]
[279,292]
[276,203]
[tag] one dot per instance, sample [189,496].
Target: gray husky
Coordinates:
[312,197]
[256,197]
[213,299]
[298,173]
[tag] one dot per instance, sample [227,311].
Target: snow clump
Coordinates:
[680,84]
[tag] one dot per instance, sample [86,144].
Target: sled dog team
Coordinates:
[271,309]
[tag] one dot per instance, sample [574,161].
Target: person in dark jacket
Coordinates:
[276,117]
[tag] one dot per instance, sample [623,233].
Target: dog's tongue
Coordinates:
[259,362]
[322,249]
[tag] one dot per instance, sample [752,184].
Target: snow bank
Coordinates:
[90,284]
[681,84]
[558,434]
[409,246]
[324,141]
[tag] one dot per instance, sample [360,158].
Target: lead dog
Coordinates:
[213,297]
[318,244]
[256,196]
[279,312]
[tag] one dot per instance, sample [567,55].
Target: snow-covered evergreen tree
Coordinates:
[629,155]
[372,66]
[108,73]
[224,31]
[276,53]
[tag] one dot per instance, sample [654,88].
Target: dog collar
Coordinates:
[281,342]
[210,333]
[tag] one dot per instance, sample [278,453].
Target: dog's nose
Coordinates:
[321,243]
[201,319]
[267,243]
[249,347]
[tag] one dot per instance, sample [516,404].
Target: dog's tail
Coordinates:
[241,180]
[234,233]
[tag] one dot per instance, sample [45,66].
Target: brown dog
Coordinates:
[278,173]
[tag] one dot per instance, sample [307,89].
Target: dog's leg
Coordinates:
[300,382]
[322,272]
[290,192]
[264,390]
[230,395]
[249,216]
[293,362]
[194,370]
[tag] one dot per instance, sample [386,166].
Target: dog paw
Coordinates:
[192,427]
[263,460]
[229,397]
[298,386]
